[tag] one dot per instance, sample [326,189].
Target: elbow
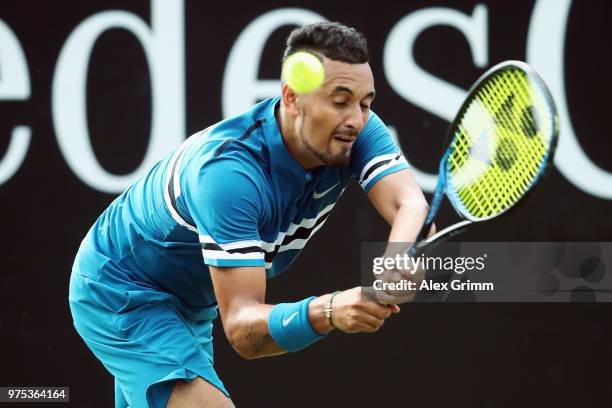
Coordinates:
[239,343]
[245,353]
[415,205]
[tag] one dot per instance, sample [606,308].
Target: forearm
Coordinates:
[250,331]
[400,201]
[408,219]
[406,225]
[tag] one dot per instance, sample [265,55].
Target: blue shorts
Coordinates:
[146,339]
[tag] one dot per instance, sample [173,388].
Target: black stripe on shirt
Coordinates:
[300,233]
[171,192]
[210,246]
[376,166]
[246,134]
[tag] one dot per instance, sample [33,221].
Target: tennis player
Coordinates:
[234,205]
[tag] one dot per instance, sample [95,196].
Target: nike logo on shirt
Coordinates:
[289,319]
[316,195]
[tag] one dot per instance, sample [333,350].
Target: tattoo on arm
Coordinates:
[256,338]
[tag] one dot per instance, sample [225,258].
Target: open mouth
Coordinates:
[344,139]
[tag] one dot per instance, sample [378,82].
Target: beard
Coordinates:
[327,156]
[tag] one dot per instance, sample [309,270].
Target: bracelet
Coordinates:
[329,310]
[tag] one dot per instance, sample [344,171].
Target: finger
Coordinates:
[394,308]
[359,327]
[414,275]
[371,295]
[368,320]
[368,328]
[375,309]
[374,306]
[386,298]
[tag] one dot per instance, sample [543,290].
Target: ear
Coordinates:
[289,98]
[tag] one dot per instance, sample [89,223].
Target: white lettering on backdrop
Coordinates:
[164,46]
[14,86]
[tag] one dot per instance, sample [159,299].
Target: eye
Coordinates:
[365,107]
[340,103]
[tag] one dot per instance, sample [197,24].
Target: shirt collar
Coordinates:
[285,168]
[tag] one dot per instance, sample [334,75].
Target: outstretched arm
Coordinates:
[399,199]
[240,292]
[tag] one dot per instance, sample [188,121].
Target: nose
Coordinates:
[356,118]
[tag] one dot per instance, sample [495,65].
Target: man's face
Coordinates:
[330,119]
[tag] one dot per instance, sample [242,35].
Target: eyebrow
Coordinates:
[340,89]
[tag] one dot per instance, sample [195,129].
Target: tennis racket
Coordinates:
[498,149]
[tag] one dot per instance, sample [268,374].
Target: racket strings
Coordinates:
[505,152]
[510,143]
[500,144]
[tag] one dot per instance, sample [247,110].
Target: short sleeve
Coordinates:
[375,155]
[225,203]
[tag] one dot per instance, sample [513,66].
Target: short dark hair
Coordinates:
[332,39]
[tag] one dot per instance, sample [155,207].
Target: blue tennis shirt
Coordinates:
[230,195]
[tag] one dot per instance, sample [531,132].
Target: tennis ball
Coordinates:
[303,72]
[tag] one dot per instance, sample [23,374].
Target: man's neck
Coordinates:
[286,125]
